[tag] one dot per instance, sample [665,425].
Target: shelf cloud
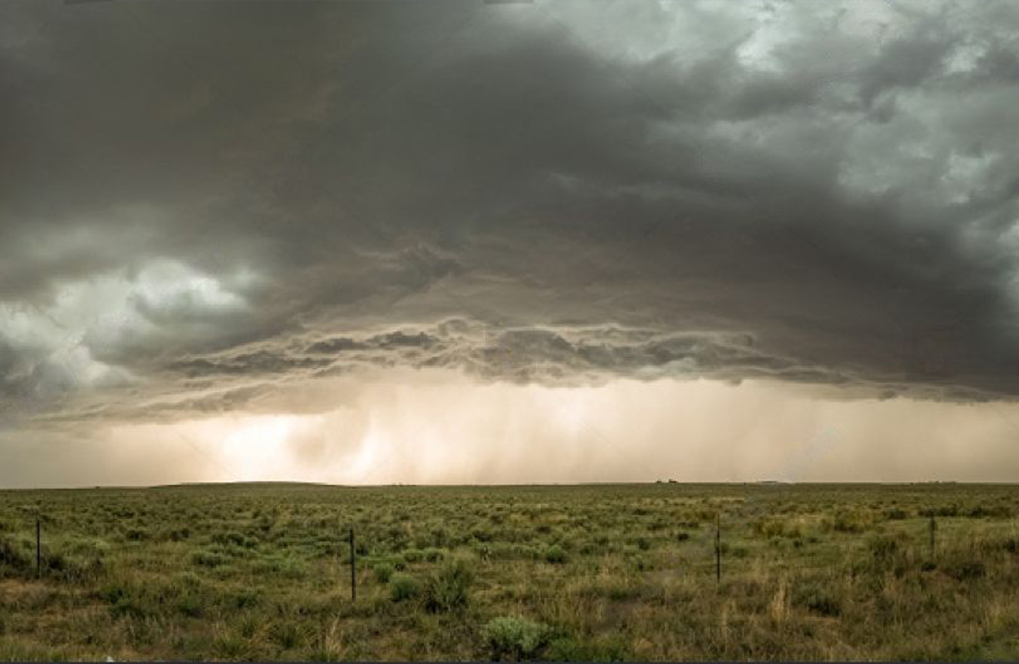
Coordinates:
[202,204]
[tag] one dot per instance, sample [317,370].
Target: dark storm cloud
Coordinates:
[560,356]
[204,197]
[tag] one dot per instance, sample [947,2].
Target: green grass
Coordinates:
[607,573]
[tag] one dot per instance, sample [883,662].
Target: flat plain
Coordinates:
[589,572]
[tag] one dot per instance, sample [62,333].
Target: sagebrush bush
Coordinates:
[288,634]
[412,555]
[851,521]
[14,557]
[995,511]
[190,603]
[75,569]
[555,554]
[515,637]
[965,570]
[817,597]
[883,547]
[207,558]
[448,588]
[433,554]
[136,535]
[382,572]
[403,587]
[772,527]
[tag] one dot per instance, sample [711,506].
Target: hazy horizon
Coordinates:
[519,485]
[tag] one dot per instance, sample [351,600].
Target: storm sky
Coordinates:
[465,242]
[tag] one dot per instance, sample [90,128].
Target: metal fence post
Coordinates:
[718,549]
[353,569]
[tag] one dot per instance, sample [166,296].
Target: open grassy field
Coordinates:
[608,572]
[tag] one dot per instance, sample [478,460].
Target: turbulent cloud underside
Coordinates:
[201,204]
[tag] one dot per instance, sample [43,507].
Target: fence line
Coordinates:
[353,568]
[718,548]
[932,527]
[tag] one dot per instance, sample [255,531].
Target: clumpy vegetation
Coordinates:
[449,587]
[513,637]
[607,573]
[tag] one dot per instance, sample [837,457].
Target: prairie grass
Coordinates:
[607,573]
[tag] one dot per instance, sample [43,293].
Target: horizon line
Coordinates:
[241,483]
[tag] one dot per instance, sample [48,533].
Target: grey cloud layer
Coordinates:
[207,199]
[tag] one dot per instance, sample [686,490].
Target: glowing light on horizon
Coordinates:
[257,448]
